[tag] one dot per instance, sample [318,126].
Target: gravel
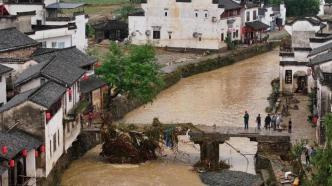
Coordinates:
[230,178]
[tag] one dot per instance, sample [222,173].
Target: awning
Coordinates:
[91,84]
[257,25]
[64,5]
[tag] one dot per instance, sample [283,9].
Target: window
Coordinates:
[39,22]
[58,138]
[42,81]
[53,44]
[255,15]
[68,128]
[70,94]
[234,35]
[1,104]
[222,37]
[237,33]
[200,39]
[156,34]
[206,13]
[166,12]
[61,45]
[196,13]
[248,16]
[288,77]
[44,44]
[0,78]
[54,143]
[50,148]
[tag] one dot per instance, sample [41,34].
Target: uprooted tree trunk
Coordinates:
[128,147]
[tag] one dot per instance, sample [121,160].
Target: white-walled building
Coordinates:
[295,57]
[48,22]
[186,23]
[274,16]
[4,71]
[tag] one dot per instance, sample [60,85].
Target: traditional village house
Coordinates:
[54,24]
[294,57]
[273,16]
[186,23]
[4,72]
[252,27]
[18,157]
[321,66]
[114,30]
[47,107]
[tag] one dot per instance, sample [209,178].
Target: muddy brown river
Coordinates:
[218,97]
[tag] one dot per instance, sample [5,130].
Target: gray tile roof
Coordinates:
[58,69]
[62,71]
[30,73]
[11,39]
[91,84]
[326,57]
[17,141]
[257,25]
[4,69]
[48,94]
[71,54]
[320,49]
[18,99]
[45,95]
[229,4]
[13,60]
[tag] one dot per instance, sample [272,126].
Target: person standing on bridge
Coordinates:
[258,121]
[246,120]
[267,121]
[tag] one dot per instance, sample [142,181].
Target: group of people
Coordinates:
[271,121]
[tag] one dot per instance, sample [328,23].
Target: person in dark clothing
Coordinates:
[258,121]
[246,120]
[290,126]
[267,121]
[307,156]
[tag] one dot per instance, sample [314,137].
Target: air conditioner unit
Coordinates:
[133,34]
[147,32]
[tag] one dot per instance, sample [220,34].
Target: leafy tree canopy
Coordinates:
[133,73]
[297,8]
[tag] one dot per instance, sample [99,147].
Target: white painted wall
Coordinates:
[40,11]
[71,131]
[19,67]
[301,25]
[321,7]
[181,23]
[4,179]
[51,129]
[31,167]
[3,91]
[68,105]
[54,35]
[34,83]
[282,72]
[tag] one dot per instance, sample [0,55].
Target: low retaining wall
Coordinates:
[122,106]
[85,141]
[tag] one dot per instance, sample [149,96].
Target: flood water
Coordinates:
[218,97]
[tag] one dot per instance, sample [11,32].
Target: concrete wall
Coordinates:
[302,26]
[69,104]
[71,130]
[4,179]
[282,73]
[19,67]
[31,167]
[178,27]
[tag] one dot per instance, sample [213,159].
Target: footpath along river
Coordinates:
[218,97]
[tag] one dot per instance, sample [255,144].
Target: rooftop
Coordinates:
[322,58]
[4,69]
[45,95]
[71,54]
[321,49]
[11,39]
[17,141]
[91,84]
[257,25]
[229,4]
[64,5]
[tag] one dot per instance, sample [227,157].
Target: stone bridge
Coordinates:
[209,138]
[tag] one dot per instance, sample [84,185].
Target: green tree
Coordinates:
[125,11]
[323,159]
[133,73]
[297,8]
